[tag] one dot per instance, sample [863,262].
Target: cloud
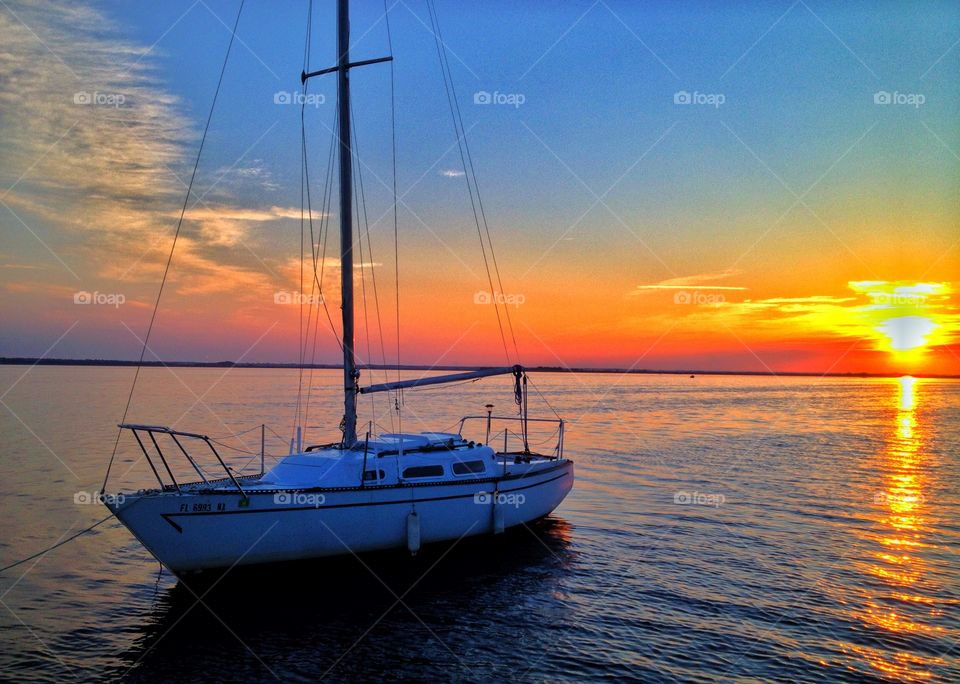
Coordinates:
[96,153]
[229,225]
[242,176]
[691,282]
[81,112]
[452,173]
[893,317]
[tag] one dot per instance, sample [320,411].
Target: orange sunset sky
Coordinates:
[805,223]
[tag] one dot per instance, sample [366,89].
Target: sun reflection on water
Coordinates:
[901,607]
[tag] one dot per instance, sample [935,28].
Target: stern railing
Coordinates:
[522,437]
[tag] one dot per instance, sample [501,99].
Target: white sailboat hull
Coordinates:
[190,531]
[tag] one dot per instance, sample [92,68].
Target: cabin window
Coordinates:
[373,475]
[468,468]
[424,471]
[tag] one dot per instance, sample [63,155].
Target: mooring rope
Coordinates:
[55,546]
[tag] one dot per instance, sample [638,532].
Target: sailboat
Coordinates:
[382,491]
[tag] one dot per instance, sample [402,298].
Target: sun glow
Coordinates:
[904,315]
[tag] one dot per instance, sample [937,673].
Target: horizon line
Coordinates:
[35,361]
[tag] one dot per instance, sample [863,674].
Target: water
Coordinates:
[720,529]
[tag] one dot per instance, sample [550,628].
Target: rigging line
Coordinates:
[318,280]
[316,283]
[55,546]
[325,228]
[373,272]
[304,340]
[363,281]
[303,168]
[460,133]
[396,232]
[313,358]
[304,185]
[540,394]
[363,276]
[303,164]
[226,445]
[304,337]
[296,417]
[238,434]
[176,235]
[476,185]
[283,440]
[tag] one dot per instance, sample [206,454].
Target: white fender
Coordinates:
[498,524]
[413,532]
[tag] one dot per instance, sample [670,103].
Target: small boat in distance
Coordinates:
[393,490]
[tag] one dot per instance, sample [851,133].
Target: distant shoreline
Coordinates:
[33,361]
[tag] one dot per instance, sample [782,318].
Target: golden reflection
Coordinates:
[900,666]
[902,607]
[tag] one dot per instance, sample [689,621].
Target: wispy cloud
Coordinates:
[229,225]
[699,281]
[242,177]
[452,173]
[892,316]
[96,154]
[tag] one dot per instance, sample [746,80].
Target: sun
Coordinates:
[903,317]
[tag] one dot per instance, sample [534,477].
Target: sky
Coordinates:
[714,186]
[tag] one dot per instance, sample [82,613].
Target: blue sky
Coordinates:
[793,183]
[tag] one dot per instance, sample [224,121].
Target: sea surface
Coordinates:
[720,529]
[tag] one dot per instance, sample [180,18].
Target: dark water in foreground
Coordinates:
[721,529]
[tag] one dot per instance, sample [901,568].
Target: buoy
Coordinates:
[498,524]
[413,532]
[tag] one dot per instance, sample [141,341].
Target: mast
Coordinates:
[350,372]
[351,375]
